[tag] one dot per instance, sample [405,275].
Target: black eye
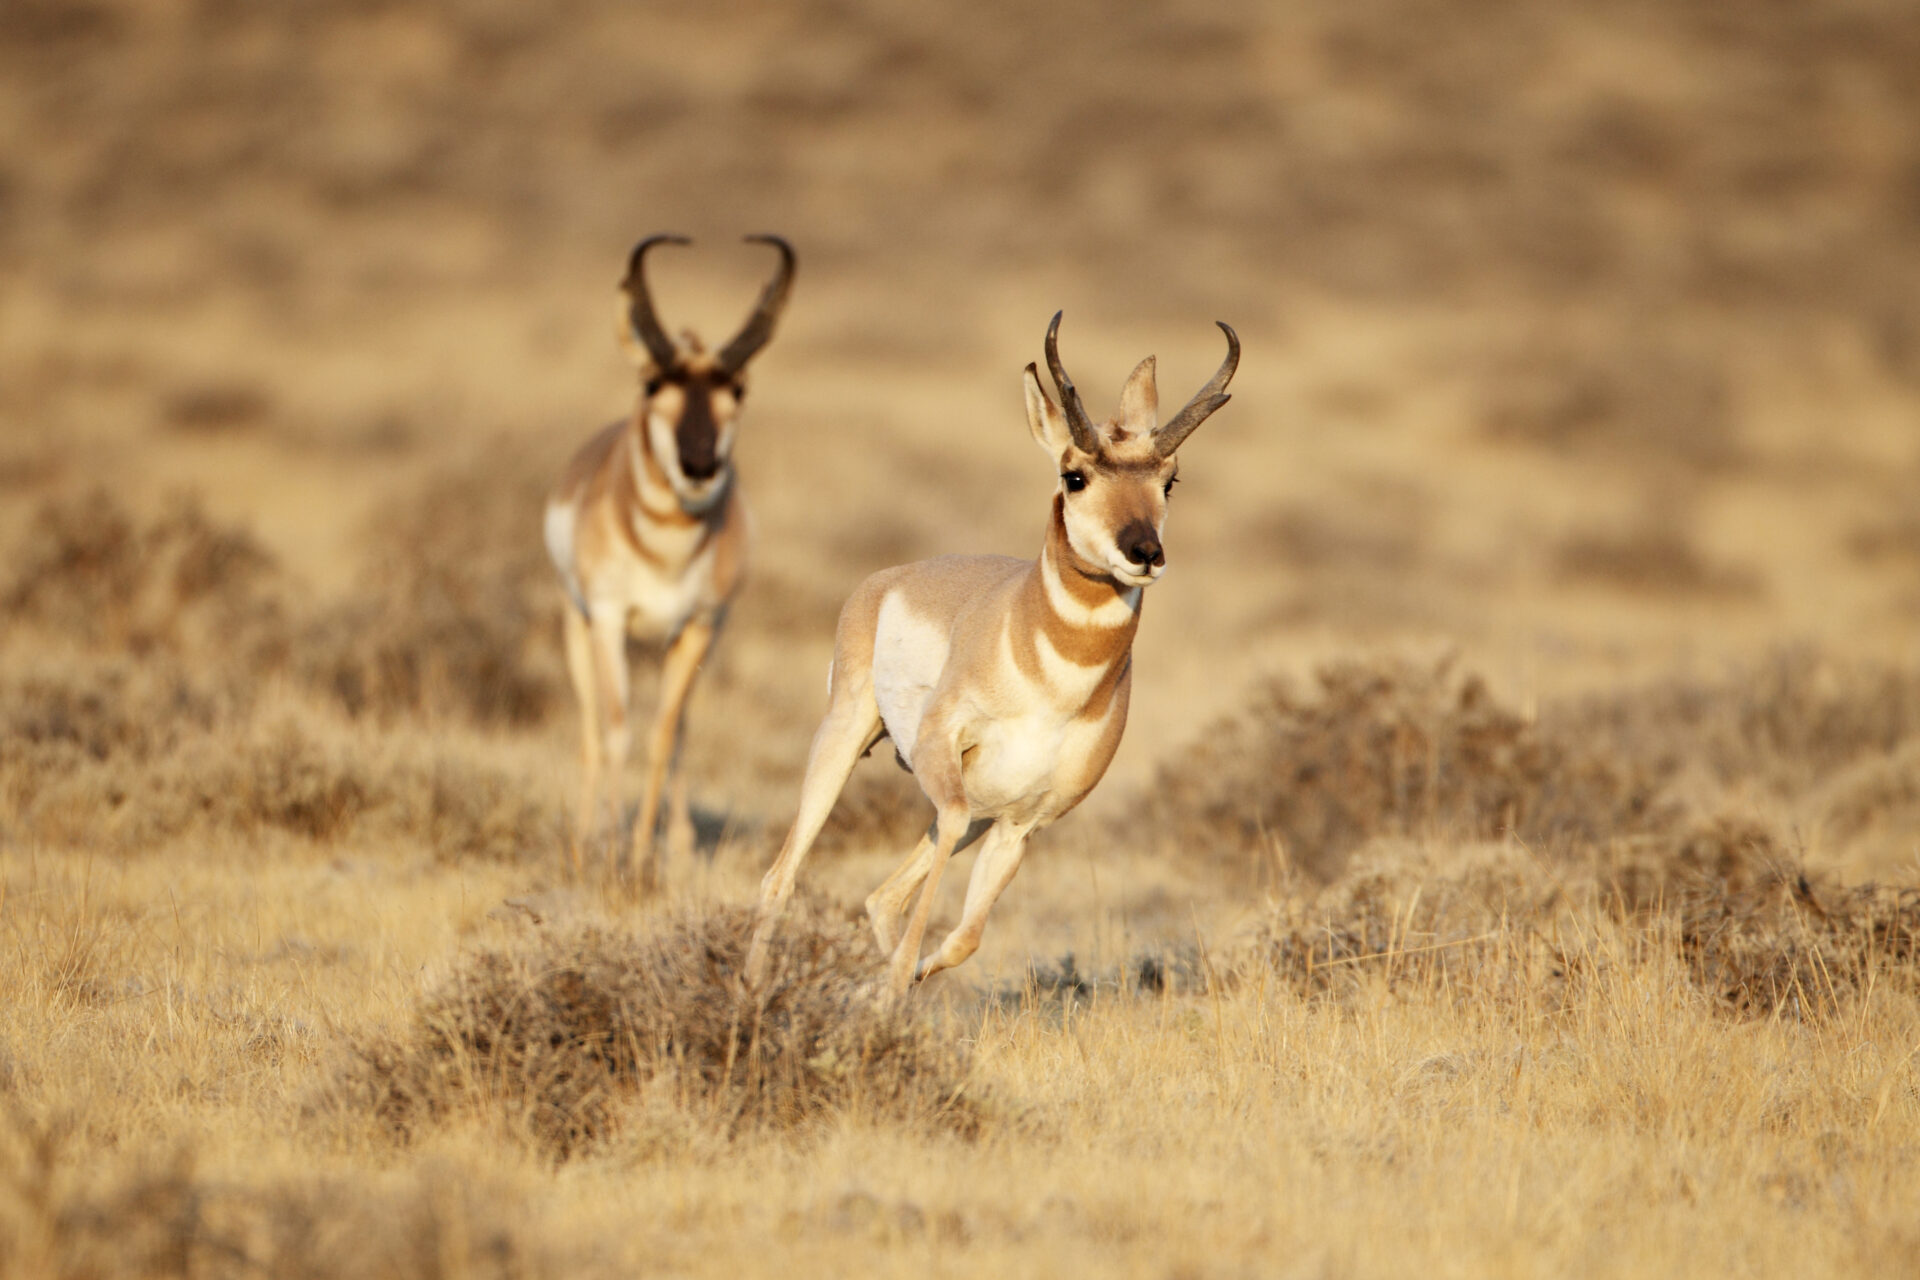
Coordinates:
[1167,488]
[739,394]
[1074,481]
[653,386]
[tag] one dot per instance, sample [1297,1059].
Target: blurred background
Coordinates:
[1582,342]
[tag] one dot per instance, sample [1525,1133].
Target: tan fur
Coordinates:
[1004,683]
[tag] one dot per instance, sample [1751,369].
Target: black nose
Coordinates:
[1140,544]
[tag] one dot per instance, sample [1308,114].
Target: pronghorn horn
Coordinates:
[1209,398]
[1085,438]
[646,325]
[759,326]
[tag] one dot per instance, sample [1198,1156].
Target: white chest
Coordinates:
[1019,767]
[660,598]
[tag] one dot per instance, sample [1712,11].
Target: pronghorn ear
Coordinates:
[1044,419]
[1140,400]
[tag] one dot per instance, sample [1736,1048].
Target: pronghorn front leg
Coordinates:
[684,656]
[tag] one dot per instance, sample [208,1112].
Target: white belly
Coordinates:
[909,653]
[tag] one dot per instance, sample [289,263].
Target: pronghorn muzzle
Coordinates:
[1139,542]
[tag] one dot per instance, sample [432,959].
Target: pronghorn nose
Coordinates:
[1140,544]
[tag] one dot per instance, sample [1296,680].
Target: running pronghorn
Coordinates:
[648,531]
[1003,683]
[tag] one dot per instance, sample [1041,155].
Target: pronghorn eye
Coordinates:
[1167,488]
[653,386]
[1074,480]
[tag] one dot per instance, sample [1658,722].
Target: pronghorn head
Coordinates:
[691,397]
[1115,476]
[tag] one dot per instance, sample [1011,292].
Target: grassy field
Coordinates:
[1513,864]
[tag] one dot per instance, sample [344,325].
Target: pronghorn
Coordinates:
[649,534]
[1003,683]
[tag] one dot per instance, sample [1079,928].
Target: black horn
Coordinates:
[1209,398]
[640,316]
[759,327]
[1085,438]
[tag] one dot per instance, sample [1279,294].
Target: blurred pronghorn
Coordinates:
[649,534]
[1003,683]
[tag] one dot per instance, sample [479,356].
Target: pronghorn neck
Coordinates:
[1087,617]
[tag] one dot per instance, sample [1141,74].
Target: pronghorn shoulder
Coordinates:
[587,462]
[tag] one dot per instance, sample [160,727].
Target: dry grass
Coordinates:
[1583,343]
[67,1219]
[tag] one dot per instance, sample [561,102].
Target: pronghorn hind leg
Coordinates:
[888,903]
[580,668]
[682,664]
[851,726]
[993,870]
[937,766]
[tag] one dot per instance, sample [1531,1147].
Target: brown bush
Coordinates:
[1390,748]
[1751,928]
[89,571]
[1655,558]
[107,764]
[1618,396]
[64,1218]
[1393,748]
[559,1039]
[1784,724]
[458,611]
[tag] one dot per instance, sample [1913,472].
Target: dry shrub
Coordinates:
[1621,396]
[1392,748]
[94,718]
[1895,540]
[1784,724]
[1878,791]
[458,610]
[89,571]
[1654,558]
[150,782]
[1444,908]
[1759,932]
[63,1217]
[1755,933]
[1384,748]
[561,1039]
